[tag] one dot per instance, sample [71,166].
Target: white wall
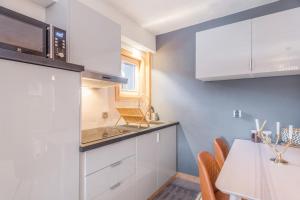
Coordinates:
[25,7]
[132,33]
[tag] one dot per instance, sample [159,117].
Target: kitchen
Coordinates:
[107,101]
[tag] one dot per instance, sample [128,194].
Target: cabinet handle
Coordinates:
[115,186]
[251,44]
[157,137]
[106,77]
[116,163]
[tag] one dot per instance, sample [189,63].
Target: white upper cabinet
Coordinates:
[92,39]
[224,52]
[95,41]
[263,47]
[276,43]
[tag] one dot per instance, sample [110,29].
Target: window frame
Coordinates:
[121,94]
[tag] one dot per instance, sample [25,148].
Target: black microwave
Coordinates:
[27,35]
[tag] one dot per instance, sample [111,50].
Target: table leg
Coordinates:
[234,197]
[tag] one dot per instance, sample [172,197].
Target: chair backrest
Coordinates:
[208,173]
[221,151]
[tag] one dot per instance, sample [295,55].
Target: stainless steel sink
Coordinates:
[156,122]
[131,128]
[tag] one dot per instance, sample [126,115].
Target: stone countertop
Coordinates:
[138,132]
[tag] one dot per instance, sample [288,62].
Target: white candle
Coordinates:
[278,128]
[257,124]
[291,131]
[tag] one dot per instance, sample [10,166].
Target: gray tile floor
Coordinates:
[180,190]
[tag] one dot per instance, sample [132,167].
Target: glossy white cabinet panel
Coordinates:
[109,178]
[156,161]
[125,190]
[167,155]
[224,52]
[276,43]
[102,157]
[146,182]
[39,130]
[95,41]
[130,169]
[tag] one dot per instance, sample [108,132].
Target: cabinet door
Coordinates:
[276,43]
[167,155]
[146,165]
[39,131]
[95,41]
[224,52]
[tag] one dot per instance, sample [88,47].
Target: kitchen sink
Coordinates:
[156,122]
[131,128]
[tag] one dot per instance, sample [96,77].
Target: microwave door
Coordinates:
[23,34]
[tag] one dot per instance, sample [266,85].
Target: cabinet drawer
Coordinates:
[105,156]
[110,177]
[124,191]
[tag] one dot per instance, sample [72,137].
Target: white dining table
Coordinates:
[248,173]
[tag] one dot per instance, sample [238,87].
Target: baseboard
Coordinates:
[187,177]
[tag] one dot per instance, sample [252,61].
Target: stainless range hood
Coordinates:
[97,80]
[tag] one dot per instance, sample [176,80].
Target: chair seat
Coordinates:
[221,196]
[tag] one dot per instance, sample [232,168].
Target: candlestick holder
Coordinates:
[266,139]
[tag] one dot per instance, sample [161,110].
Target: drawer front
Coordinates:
[125,190]
[102,157]
[110,178]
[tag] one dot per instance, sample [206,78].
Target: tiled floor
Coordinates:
[180,190]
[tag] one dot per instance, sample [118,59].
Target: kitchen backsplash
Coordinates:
[96,102]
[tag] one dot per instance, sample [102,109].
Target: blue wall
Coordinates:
[204,109]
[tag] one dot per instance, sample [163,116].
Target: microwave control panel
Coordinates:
[59,51]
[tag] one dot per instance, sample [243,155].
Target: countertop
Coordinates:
[39,60]
[107,141]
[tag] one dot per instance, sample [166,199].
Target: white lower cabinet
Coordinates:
[167,155]
[109,179]
[125,190]
[132,169]
[109,170]
[146,165]
[156,161]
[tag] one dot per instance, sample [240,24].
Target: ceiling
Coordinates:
[161,16]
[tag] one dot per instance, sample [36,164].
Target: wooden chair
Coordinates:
[208,173]
[221,151]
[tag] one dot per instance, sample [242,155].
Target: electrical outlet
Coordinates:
[237,114]
[105,115]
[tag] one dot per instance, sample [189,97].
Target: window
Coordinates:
[137,69]
[130,71]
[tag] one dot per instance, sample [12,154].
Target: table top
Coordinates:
[249,173]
